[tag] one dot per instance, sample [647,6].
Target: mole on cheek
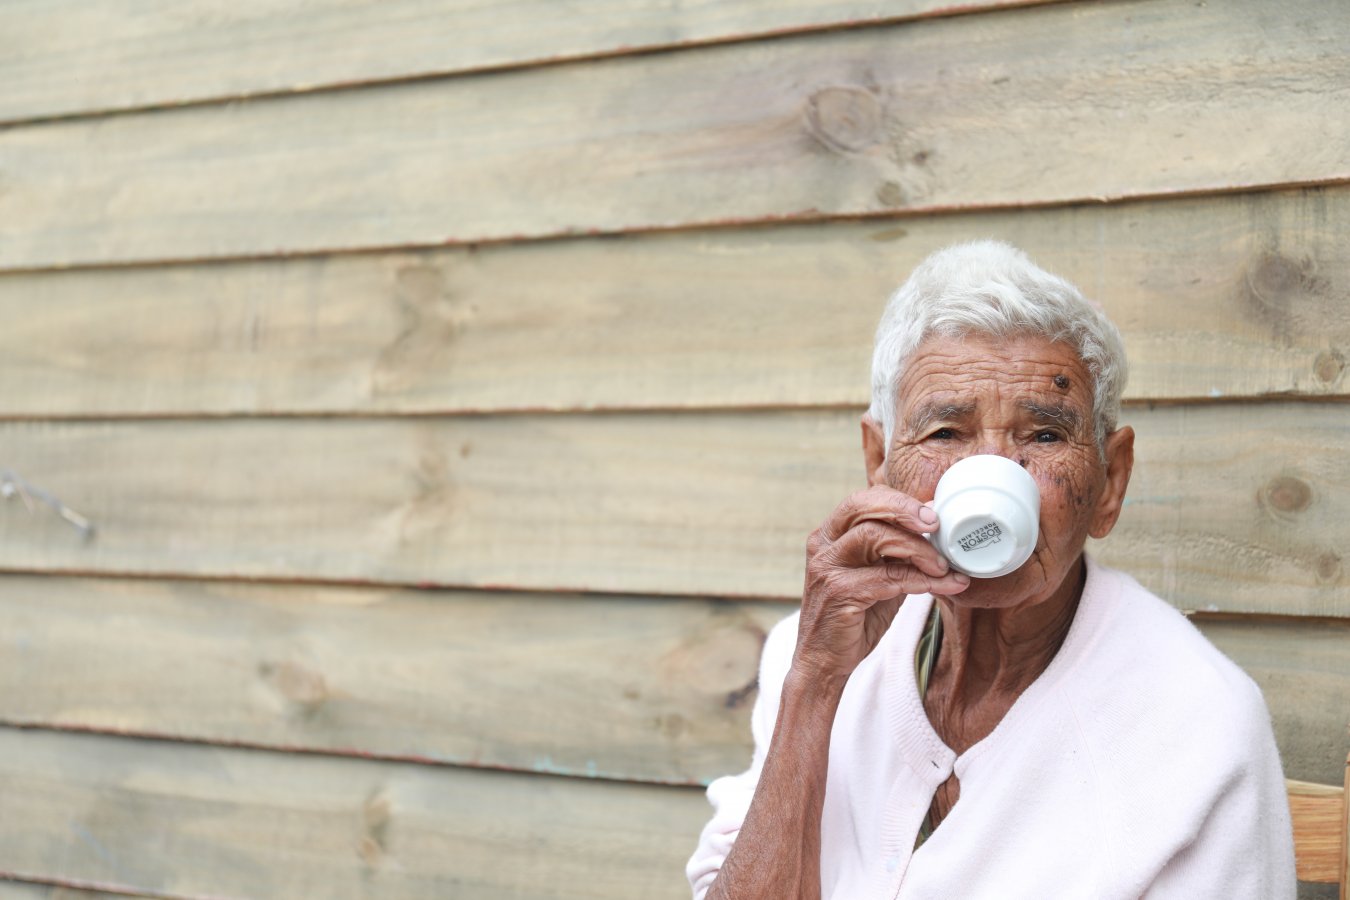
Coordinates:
[1062,382]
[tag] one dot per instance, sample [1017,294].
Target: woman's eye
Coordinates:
[1046,437]
[942,434]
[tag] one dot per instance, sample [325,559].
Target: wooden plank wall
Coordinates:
[452,387]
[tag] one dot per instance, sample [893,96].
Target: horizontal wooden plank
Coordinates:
[196,821]
[1045,105]
[1237,296]
[645,689]
[1303,669]
[1233,508]
[67,57]
[207,821]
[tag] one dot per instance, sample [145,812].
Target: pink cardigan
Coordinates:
[1140,764]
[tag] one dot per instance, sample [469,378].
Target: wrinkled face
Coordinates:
[1027,399]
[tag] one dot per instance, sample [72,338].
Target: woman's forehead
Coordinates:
[958,371]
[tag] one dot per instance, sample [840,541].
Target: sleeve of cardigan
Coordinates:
[730,796]
[1244,848]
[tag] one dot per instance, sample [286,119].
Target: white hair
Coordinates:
[992,289]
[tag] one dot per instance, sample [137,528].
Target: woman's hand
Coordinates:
[860,564]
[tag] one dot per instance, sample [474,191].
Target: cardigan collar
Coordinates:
[921,747]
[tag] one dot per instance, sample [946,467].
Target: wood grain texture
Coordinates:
[1238,296]
[1232,508]
[206,821]
[1318,812]
[1303,668]
[646,689]
[643,689]
[1247,499]
[1044,105]
[68,57]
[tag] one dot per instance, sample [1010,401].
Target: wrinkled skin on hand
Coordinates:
[860,564]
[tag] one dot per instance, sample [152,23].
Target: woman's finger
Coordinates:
[880,504]
[892,578]
[870,542]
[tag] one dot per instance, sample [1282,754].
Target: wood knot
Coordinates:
[889,234]
[1288,295]
[718,657]
[1328,366]
[431,319]
[299,684]
[420,284]
[891,194]
[742,695]
[671,725]
[1287,494]
[844,119]
[1273,277]
[1328,568]
[375,816]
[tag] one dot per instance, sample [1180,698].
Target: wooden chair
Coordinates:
[1321,816]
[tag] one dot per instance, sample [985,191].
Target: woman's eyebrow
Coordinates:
[924,416]
[1053,413]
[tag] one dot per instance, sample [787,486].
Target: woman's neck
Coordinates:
[989,657]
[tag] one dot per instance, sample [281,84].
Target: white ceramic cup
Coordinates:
[989,511]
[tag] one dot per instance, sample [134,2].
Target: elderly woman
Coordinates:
[1054,732]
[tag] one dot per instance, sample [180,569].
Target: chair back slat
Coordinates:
[1321,816]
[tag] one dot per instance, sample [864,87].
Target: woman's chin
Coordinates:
[1023,585]
[990,593]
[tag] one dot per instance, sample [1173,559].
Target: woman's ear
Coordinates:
[874,450]
[1119,464]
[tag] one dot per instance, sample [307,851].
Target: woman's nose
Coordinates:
[994,445]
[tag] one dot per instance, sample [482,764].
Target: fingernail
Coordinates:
[927,515]
[961,578]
